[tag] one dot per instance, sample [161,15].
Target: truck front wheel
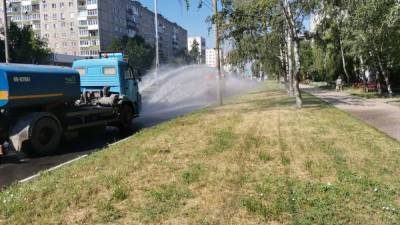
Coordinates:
[45,136]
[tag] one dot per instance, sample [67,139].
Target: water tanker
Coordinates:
[33,86]
[39,105]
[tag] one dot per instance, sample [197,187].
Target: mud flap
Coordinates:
[20,132]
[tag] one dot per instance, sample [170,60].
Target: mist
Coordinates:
[176,91]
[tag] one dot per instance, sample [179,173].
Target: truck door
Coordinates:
[131,85]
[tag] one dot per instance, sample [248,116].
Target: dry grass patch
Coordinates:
[256,160]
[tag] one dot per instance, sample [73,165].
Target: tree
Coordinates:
[269,31]
[365,35]
[195,52]
[140,55]
[25,47]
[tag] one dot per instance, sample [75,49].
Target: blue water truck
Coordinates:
[39,105]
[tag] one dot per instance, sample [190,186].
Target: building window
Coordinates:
[54,5]
[71,4]
[84,42]
[92,12]
[62,5]
[92,22]
[83,32]
[91,2]
[54,16]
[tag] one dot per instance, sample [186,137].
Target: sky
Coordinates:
[193,20]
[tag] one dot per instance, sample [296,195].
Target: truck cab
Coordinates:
[112,72]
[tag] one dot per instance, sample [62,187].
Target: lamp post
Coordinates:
[217,49]
[157,37]
[6,49]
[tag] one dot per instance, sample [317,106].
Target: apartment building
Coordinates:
[202,47]
[172,37]
[85,27]
[211,57]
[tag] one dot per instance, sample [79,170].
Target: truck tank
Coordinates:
[33,85]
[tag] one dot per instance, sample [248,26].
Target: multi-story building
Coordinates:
[211,57]
[85,27]
[202,47]
[58,25]
[172,37]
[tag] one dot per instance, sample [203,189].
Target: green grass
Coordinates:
[255,160]
[361,93]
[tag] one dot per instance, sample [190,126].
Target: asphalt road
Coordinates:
[16,166]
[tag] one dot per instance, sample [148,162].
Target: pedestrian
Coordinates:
[339,84]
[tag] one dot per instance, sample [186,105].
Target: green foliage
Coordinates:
[140,54]
[192,174]
[25,47]
[194,53]
[350,37]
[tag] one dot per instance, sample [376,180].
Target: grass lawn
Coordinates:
[256,160]
[361,93]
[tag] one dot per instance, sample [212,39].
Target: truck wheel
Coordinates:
[125,118]
[45,136]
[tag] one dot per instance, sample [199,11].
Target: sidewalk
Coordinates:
[383,116]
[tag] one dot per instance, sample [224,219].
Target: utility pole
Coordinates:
[157,37]
[6,50]
[217,49]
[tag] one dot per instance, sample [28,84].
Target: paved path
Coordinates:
[383,116]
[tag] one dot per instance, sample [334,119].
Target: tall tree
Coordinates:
[25,46]
[140,54]
[195,52]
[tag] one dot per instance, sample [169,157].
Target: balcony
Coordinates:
[93,27]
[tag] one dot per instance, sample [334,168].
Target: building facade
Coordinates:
[211,57]
[85,27]
[202,47]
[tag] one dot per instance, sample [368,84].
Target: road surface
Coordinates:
[381,115]
[176,93]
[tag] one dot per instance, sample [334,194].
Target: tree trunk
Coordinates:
[378,83]
[289,41]
[343,60]
[386,77]
[297,93]
[283,63]
[363,76]
[293,39]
